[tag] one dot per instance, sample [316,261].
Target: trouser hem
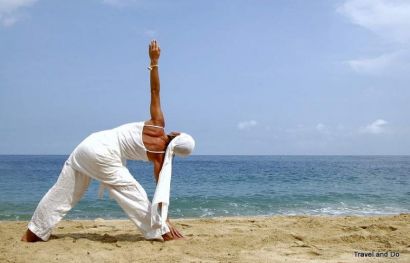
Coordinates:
[157,233]
[36,230]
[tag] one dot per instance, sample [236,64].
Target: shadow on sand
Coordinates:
[104,238]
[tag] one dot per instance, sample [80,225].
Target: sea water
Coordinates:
[207,186]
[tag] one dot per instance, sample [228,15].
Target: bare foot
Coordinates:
[30,237]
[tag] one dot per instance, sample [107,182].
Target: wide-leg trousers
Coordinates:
[70,187]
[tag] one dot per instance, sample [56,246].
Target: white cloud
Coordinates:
[376,127]
[243,125]
[390,20]
[9,11]
[391,62]
[12,5]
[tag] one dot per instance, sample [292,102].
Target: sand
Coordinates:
[239,239]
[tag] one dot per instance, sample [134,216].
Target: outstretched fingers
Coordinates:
[174,231]
[173,234]
[154,50]
[154,44]
[178,234]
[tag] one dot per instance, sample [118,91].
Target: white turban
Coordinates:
[181,145]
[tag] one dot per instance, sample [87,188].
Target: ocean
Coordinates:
[213,186]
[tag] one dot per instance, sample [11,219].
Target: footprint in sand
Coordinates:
[297,237]
[314,253]
[301,244]
[379,227]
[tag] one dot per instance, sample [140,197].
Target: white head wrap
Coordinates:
[181,145]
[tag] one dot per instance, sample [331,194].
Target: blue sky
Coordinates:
[243,77]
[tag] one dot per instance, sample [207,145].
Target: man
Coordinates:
[102,156]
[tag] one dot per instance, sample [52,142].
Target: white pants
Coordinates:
[69,189]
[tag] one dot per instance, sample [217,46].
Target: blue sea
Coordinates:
[209,186]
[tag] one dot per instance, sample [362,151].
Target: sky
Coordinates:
[281,77]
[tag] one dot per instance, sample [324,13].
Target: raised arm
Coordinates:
[157,118]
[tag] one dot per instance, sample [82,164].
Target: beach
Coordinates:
[322,209]
[222,239]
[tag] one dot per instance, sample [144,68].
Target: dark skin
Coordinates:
[154,139]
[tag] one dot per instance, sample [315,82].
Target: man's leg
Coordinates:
[135,203]
[63,196]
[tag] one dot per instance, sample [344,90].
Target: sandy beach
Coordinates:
[241,239]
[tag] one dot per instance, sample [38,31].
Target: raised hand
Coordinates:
[154,52]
